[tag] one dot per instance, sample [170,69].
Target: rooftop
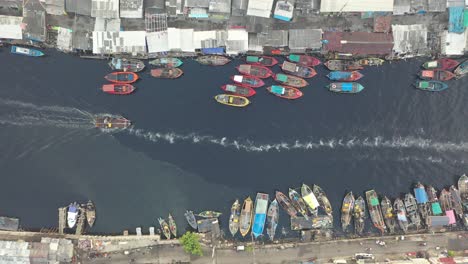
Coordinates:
[302,39]
[359,42]
[356,5]
[83,8]
[105,8]
[131,8]
[410,39]
[260,8]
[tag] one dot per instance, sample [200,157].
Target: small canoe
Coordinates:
[213,60]
[122,77]
[261,60]
[298,70]
[436,75]
[234,218]
[90,213]
[255,70]
[345,76]
[285,91]
[118,88]
[284,201]
[272,219]
[238,89]
[172,225]
[462,69]
[305,60]
[249,81]
[442,64]
[431,86]
[26,51]
[246,217]
[371,62]
[191,219]
[346,210]
[111,122]
[345,87]
[167,73]
[165,228]
[210,214]
[127,65]
[232,100]
[343,65]
[290,80]
[166,62]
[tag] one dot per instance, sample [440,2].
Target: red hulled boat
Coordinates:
[261,60]
[441,64]
[298,70]
[290,80]
[249,81]
[238,89]
[437,75]
[284,91]
[118,88]
[167,73]
[304,60]
[122,77]
[255,70]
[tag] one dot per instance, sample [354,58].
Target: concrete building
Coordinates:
[270,38]
[181,39]
[260,8]
[133,42]
[410,39]
[157,41]
[338,6]
[82,33]
[237,41]
[10,27]
[80,7]
[301,40]
[64,39]
[209,39]
[131,8]
[47,251]
[105,8]
[55,7]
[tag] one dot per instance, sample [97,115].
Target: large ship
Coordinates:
[345,76]
[298,202]
[261,60]
[261,207]
[284,91]
[284,201]
[387,212]
[72,214]
[255,70]
[213,60]
[249,81]
[432,196]
[346,210]
[172,225]
[238,89]
[26,51]
[345,87]
[111,122]
[309,198]
[371,62]
[166,62]
[298,70]
[456,201]
[272,219]
[165,228]
[232,100]
[118,88]
[90,213]
[191,219]
[422,201]
[305,60]
[343,65]
[246,217]
[290,80]
[431,86]
[234,218]
[412,210]
[323,199]
[122,77]
[442,64]
[462,69]
[128,65]
[210,214]
[167,73]
[436,75]
[400,211]
[375,210]
[359,214]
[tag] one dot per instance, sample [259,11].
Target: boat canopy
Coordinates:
[212,50]
[424,84]
[252,59]
[289,66]
[294,57]
[451,215]
[429,74]
[374,201]
[238,78]
[402,217]
[277,89]
[347,87]
[432,64]
[231,88]
[282,77]
[421,195]
[436,210]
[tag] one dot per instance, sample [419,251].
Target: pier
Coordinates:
[62,219]
[80,222]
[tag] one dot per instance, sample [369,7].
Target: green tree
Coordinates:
[451,253]
[190,242]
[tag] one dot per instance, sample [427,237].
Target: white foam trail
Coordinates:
[251,146]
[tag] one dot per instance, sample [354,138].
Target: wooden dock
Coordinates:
[62,215]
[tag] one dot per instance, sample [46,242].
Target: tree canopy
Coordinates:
[190,242]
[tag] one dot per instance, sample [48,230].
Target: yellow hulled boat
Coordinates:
[232,100]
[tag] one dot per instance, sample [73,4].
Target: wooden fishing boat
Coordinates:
[90,213]
[359,214]
[118,88]
[166,62]
[345,87]
[166,231]
[431,86]
[122,77]
[387,212]
[285,91]
[375,212]
[290,80]
[210,214]
[462,69]
[284,201]
[400,212]
[249,81]
[272,219]
[323,199]
[255,70]
[167,73]
[298,202]
[305,60]
[371,62]
[246,217]
[238,89]
[344,76]
[111,122]
[127,65]
[234,218]
[436,75]
[310,199]
[261,60]
[412,210]
[232,100]
[442,64]
[191,219]
[172,225]
[343,65]
[346,210]
[213,60]
[298,70]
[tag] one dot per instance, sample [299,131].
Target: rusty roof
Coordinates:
[382,24]
[359,43]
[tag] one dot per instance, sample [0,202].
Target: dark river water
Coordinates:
[185,151]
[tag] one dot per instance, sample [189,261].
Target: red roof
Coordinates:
[359,43]
[447,260]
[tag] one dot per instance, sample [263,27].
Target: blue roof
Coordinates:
[282,18]
[72,209]
[338,75]
[277,89]
[421,195]
[213,51]
[258,224]
[456,19]
[347,87]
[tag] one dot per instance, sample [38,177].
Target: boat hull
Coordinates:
[122,77]
[127,65]
[190,217]
[344,76]
[167,73]
[232,100]
[238,89]
[284,201]
[298,70]
[234,218]
[249,81]
[431,86]
[290,80]
[255,70]
[462,69]
[305,60]
[346,210]
[261,60]
[285,92]
[442,64]
[213,60]
[245,221]
[110,122]
[26,51]
[119,89]
[436,75]
[375,211]
[90,213]
[341,65]
[261,207]
[345,87]
[272,219]
[166,62]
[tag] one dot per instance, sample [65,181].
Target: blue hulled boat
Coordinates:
[26,51]
[261,206]
[431,86]
[344,76]
[345,87]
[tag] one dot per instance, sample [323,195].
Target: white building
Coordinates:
[260,8]
[10,27]
[338,6]
[133,42]
[157,41]
[237,41]
[181,39]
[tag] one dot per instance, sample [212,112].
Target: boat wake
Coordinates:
[26,114]
[252,146]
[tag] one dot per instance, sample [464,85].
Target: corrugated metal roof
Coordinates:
[157,42]
[7,223]
[356,5]
[119,42]
[10,27]
[220,6]
[436,5]
[181,39]
[410,39]
[260,8]
[105,8]
[302,39]
[456,19]
[131,8]
[55,7]
[197,3]
[274,38]
[35,22]
[401,7]
[453,43]
[81,7]
[364,43]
